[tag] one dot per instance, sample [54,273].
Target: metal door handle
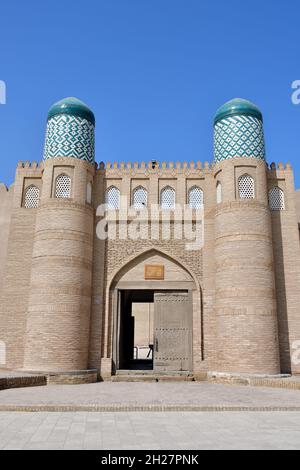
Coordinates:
[156,345]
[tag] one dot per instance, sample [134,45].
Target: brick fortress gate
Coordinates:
[73,302]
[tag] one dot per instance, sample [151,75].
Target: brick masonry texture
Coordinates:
[57,279]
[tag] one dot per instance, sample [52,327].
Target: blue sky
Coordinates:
[154,73]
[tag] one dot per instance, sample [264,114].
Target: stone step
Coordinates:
[151,372]
[152,378]
[18,380]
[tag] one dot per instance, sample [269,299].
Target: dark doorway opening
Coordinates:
[136,329]
[153,330]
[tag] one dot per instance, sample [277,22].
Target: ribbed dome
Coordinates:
[72,106]
[237,107]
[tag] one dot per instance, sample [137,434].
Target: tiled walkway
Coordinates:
[135,430]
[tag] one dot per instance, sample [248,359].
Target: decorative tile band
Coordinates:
[239,136]
[70,136]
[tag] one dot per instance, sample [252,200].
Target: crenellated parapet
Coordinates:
[32,165]
[279,166]
[4,189]
[154,167]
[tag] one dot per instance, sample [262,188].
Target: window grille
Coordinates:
[63,187]
[219,192]
[246,187]
[276,199]
[195,198]
[112,198]
[167,198]
[32,195]
[140,198]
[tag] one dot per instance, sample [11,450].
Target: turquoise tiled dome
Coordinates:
[238,131]
[238,107]
[73,107]
[70,131]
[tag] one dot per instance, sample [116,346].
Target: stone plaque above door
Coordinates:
[154,272]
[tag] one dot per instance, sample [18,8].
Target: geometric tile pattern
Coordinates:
[140,198]
[246,187]
[276,199]
[63,187]
[167,198]
[31,200]
[239,136]
[195,198]
[112,198]
[70,136]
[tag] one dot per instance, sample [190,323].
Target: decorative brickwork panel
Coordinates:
[119,252]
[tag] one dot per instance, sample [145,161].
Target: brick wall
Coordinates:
[16,281]
[287,265]
[58,274]
[6,197]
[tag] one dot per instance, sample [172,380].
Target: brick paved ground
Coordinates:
[135,430]
[143,394]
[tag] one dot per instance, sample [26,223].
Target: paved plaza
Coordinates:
[134,430]
[132,396]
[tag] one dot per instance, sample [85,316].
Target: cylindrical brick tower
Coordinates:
[57,336]
[247,337]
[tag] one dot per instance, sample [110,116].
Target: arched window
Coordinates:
[195,197]
[63,187]
[167,198]
[140,198]
[246,187]
[32,196]
[219,192]
[89,192]
[112,198]
[276,199]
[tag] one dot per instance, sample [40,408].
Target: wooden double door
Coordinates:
[172,349]
[172,329]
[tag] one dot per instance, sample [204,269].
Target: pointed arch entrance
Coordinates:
[161,290]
